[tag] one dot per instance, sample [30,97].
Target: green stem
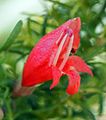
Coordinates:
[9,111]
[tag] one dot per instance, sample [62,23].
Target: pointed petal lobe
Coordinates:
[56,76]
[79,64]
[74,82]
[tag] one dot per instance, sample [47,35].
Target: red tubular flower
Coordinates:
[50,59]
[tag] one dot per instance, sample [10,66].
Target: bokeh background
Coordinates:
[22,24]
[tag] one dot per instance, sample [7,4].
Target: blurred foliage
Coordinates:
[44,104]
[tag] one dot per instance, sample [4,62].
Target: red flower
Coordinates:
[50,59]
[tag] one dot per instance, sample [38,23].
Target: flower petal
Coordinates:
[76,43]
[56,76]
[75,26]
[79,64]
[74,82]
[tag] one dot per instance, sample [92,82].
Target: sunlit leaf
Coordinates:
[15,32]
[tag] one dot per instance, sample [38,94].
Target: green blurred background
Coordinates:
[22,24]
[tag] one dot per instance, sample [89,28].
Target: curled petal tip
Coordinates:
[69,92]
[52,86]
[55,82]
[74,83]
[90,73]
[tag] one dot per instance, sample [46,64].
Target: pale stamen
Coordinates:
[67,53]
[57,42]
[59,38]
[59,49]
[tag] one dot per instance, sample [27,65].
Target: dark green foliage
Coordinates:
[46,104]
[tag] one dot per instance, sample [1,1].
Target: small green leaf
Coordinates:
[44,25]
[59,3]
[100,110]
[88,114]
[15,32]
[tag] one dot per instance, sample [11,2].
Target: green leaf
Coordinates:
[88,113]
[100,110]
[15,32]
[59,3]
[44,25]
[94,52]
